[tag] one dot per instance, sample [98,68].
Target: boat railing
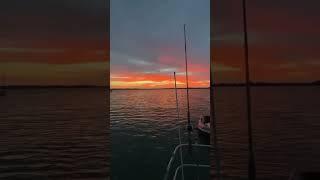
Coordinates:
[188,165]
[182,164]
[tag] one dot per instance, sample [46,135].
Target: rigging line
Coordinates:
[251,163]
[178,118]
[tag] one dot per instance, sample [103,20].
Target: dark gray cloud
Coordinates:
[149,29]
[24,23]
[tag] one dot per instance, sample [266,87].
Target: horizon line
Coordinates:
[217,84]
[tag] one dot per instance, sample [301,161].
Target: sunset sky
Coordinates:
[65,42]
[147,43]
[284,40]
[60,42]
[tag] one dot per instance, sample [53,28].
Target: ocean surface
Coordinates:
[54,133]
[142,133]
[286,130]
[63,133]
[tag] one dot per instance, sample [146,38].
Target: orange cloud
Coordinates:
[154,80]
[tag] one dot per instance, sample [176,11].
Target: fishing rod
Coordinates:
[251,163]
[187,81]
[189,127]
[178,117]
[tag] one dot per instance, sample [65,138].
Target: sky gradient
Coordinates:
[66,42]
[61,42]
[284,40]
[147,43]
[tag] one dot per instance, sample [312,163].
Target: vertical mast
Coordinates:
[251,164]
[187,81]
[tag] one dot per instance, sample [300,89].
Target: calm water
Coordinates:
[141,130]
[59,133]
[54,133]
[286,130]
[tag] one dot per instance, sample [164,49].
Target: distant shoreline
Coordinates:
[316,83]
